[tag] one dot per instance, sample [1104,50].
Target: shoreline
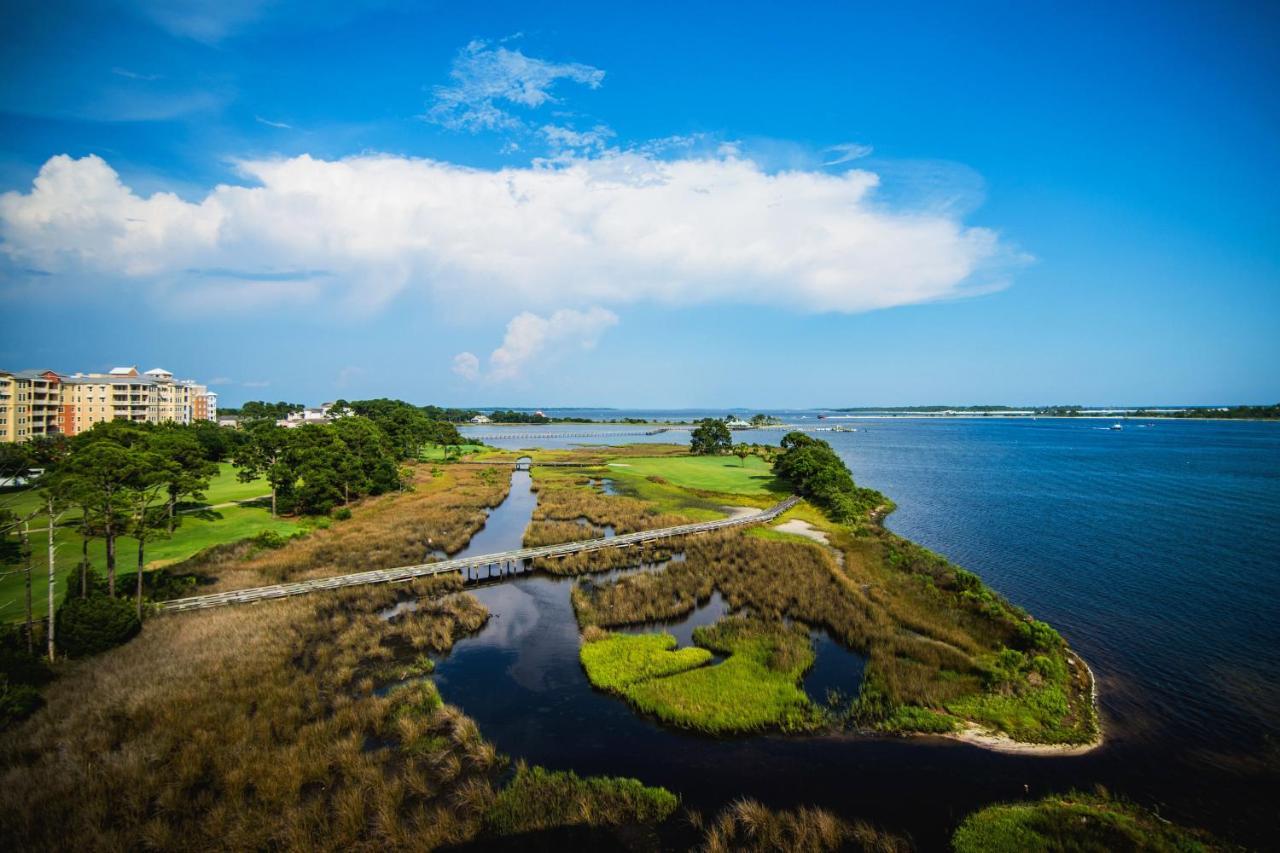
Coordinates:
[975,735]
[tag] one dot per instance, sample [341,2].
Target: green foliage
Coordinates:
[314,468]
[539,799]
[342,514]
[1074,822]
[617,661]
[912,718]
[87,626]
[408,428]
[17,701]
[818,474]
[261,410]
[271,539]
[21,674]
[710,437]
[756,688]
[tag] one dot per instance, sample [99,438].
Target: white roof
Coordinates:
[123,371]
[156,371]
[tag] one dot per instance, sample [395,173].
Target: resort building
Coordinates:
[480,419]
[42,402]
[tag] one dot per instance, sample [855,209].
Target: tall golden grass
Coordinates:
[747,825]
[251,728]
[384,532]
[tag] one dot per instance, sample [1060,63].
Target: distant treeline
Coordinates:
[1230,412]
[263,410]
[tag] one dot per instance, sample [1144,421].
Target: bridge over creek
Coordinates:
[476,567]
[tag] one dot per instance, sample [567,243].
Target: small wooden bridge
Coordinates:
[479,567]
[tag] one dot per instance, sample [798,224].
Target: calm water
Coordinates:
[1155,550]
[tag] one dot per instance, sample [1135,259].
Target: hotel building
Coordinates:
[42,402]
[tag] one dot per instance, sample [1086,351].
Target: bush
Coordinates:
[342,514]
[17,702]
[270,539]
[87,626]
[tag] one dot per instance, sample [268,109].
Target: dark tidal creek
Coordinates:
[520,679]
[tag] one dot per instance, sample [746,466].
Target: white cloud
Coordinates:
[609,230]
[566,138]
[466,365]
[486,81]
[269,123]
[531,339]
[845,152]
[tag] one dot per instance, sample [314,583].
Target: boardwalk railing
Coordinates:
[464,565]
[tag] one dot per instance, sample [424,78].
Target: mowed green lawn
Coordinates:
[435,452]
[193,535]
[722,474]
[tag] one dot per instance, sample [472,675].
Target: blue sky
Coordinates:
[747,204]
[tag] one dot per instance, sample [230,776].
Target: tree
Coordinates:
[742,451]
[152,476]
[264,453]
[187,470]
[709,438]
[48,453]
[98,477]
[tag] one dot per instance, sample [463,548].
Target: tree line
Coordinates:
[125,479]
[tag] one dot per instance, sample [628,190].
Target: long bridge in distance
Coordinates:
[473,568]
[516,434]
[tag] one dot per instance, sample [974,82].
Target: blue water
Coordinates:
[1155,550]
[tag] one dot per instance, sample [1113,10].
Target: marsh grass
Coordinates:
[747,825]
[538,799]
[1075,821]
[386,531]
[614,662]
[940,646]
[253,727]
[301,724]
[756,687]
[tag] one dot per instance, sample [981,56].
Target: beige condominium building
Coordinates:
[42,402]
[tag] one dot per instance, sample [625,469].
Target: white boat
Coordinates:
[1117,426]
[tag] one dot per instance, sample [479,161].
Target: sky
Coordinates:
[648,205]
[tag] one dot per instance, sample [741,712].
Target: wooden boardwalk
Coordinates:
[469,567]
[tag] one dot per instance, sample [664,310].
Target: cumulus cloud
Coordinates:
[487,81]
[610,230]
[466,365]
[531,338]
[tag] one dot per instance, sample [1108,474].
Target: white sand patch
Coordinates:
[740,511]
[978,736]
[800,527]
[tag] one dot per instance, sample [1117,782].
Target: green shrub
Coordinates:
[541,799]
[270,539]
[87,626]
[17,701]
[342,513]
[1073,822]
